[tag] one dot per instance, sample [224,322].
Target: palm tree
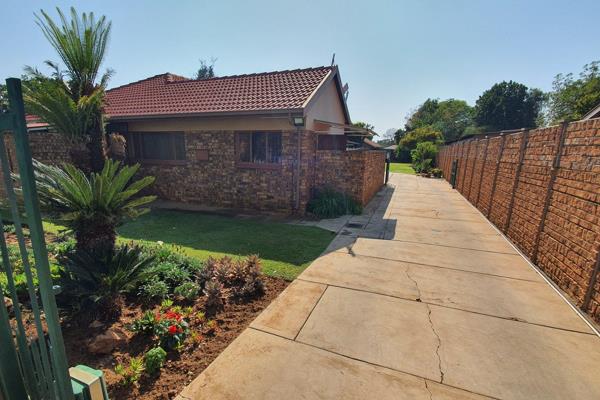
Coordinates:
[92,207]
[71,100]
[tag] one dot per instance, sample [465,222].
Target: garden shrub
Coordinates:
[212,290]
[173,274]
[97,282]
[423,155]
[146,324]
[20,279]
[154,289]
[328,203]
[154,360]
[245,276]
[188,290]
[252,283]
[437,173]
[132,372]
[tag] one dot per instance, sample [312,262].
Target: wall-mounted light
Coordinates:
[298,121]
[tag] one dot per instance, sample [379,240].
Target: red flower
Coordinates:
[172,329]
[173,315]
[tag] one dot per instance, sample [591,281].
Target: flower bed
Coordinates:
[172,321]
[207,338]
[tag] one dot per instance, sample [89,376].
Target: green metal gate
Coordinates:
[33,363]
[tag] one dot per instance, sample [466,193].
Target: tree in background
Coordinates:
[364,125]
[3,97]
[71,100]
[451,117]
[572,98]
[398,135]
[411,139]
[206,70]
[388,138]
[508,105]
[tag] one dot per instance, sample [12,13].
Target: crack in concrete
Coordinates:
[439,340]
[406,271]
[427,388]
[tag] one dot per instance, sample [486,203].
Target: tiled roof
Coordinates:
[171,94]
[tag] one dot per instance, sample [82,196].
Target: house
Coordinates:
[392,152]
[262,141]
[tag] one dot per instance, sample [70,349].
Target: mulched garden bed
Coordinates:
[199,350]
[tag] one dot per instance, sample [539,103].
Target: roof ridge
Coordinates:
[253,74]
[142,80]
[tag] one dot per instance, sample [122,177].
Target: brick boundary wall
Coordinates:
[541,187]
[359,173]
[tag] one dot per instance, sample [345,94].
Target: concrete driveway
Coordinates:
[442,307]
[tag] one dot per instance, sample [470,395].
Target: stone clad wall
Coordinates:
[542,189]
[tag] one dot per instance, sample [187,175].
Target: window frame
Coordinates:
[253,165]
[153,161]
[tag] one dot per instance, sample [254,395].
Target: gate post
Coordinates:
[31,202]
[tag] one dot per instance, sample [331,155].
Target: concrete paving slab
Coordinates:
[437,212]
[286,315]
[526,301]
[276,368]
[512,360]
[378,329]
[493,242]
[406,223]
[500,264]
[363,273]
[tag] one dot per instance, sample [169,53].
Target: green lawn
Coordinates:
[402,168]
[285,249]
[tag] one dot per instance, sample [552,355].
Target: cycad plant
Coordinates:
[98,283]
[92,206]
[71,100]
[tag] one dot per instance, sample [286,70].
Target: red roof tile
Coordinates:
[171,94]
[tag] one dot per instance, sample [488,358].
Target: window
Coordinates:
[156,147]
[258,149]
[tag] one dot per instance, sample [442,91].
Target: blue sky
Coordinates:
[393,54]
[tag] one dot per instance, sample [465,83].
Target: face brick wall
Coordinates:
[219,182]
[542,189]
[358,173]
[47,147]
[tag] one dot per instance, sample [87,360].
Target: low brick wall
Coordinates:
[542,189]
[357,173]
